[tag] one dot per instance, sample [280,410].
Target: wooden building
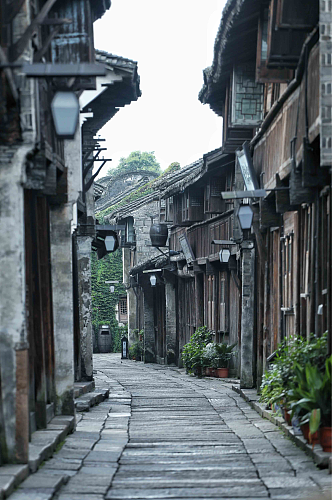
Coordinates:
[271,82]
[287,62]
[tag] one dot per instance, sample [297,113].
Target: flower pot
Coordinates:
[222,372]
[287,416]
[210,372]
[312,439]
[326,438]
[305,431]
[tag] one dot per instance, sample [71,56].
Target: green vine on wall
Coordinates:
[109,268]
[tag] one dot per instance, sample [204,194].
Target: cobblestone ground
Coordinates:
[163,434]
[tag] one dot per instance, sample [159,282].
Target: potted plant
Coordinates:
[280,381]
[210,354]
[223,356]
[193,352]
[312,401]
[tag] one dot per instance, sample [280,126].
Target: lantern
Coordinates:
[65,109]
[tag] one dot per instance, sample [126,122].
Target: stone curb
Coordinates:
[320,457]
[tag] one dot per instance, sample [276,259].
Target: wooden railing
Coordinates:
[200,235]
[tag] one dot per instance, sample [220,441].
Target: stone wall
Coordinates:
[142,224]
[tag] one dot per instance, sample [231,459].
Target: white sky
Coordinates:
[172,41]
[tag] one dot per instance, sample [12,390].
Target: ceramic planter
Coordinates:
[314,438]
[222,372]
[326,438]
[287,416]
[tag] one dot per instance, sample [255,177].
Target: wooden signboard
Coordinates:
[186,248]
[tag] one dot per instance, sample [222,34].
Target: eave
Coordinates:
[119,88]
[235,42]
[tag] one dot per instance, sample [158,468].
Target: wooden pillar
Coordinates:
[199,299]
[248,315]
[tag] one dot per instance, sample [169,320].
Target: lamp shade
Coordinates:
[153,280]
[245,215]
[65,109]
[111,242]
[224,255]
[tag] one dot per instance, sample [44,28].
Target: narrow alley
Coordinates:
[163,434]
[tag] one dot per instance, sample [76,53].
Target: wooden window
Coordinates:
[185,206]
[288,274]
[213,203]
[283,45]
[247,96]
[192,205]
[299,14]
[169,209]
[123,307]
[263,73]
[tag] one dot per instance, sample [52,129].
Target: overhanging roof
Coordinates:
[235,42]
[120,87]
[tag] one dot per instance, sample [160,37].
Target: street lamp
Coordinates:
[224,255]
[245,216]
[65,109]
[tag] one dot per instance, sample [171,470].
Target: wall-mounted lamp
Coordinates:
[224,255]
[245,216]
[111,243]
[65,109]
[112,289]
[153,280]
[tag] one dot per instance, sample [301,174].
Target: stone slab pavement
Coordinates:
[166,435]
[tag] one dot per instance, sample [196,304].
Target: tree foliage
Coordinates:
[137,161]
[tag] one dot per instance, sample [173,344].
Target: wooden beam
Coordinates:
[9,74]
[50,21]
[18,48]
[90,181]
[42,51]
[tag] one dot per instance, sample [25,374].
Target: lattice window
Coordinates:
[123,307]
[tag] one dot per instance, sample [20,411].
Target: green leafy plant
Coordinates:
[224,354]
[281,378]
[218,355]
[136,350]
[311,395]
[193,356]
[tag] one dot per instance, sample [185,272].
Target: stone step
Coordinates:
[45,441]
[10,477]
[82,388]
[42,446]
[86,401]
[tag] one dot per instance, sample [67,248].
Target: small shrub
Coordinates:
[193,352]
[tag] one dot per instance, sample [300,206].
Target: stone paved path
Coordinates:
[165,435]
